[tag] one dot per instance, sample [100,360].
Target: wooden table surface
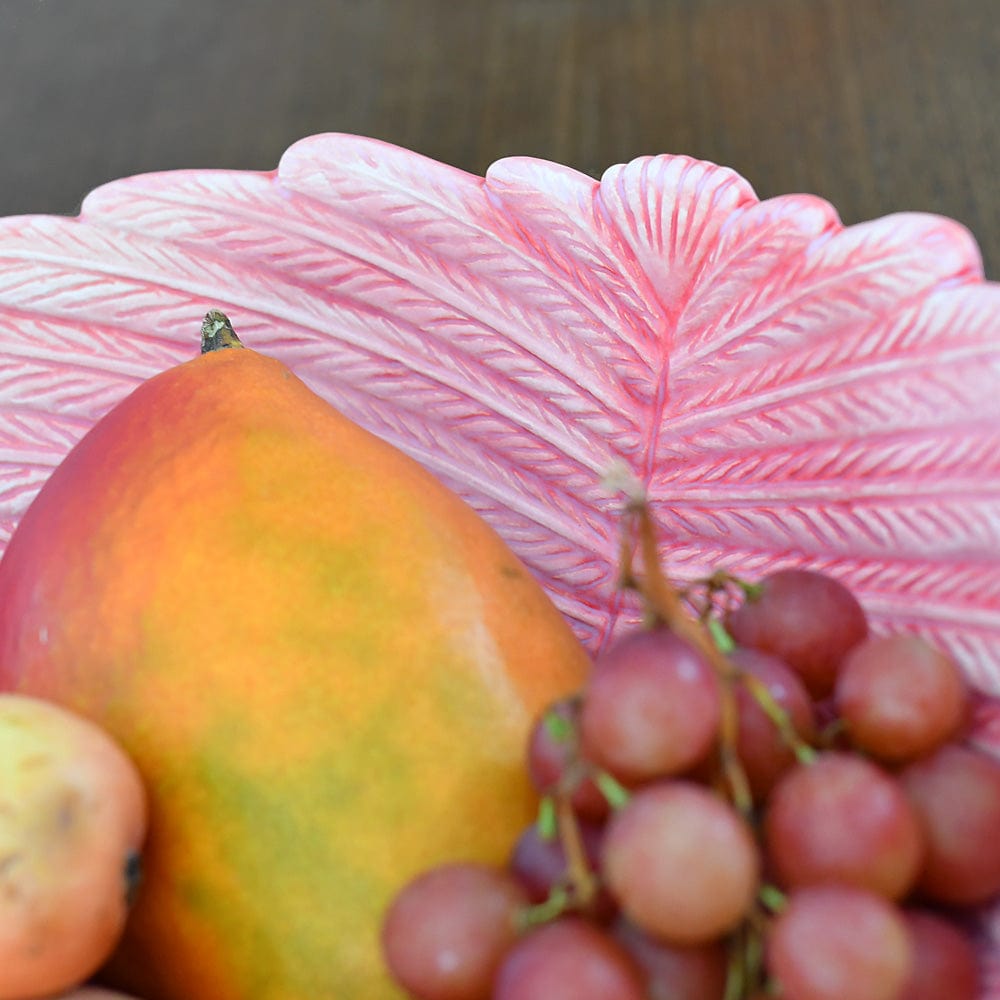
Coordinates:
[876,105]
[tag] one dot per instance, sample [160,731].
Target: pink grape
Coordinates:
[945,963]
[764,753]
[834,942]
[569,959]
[554,758]
[808,619]
[843,819]
[681,862]
[651,708]
[900,697]
[446,931]
[956,793]
[675,972]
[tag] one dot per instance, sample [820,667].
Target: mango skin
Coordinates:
[323,662]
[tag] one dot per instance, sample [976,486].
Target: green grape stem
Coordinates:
[578,871]
[745,970]
[547,822]
[804,753]
[772,898]
[579,887]
[555,905]
[735,971]
[558,728]
[722,639]
[617,794]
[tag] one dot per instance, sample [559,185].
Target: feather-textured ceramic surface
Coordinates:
[788,390]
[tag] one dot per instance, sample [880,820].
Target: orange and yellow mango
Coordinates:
[323,662]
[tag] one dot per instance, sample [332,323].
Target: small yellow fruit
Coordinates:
[72,821]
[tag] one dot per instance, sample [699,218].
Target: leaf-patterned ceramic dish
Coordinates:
[790,391]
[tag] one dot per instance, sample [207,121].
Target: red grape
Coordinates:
[763,751]
[681,862]
[675,972]
[808,619]
[554,758]
[539,864]
[900,697]
[678,910]
[832,942]
[447,930]
[956,793]
[569,959]
[652,706]
[945,963]
[843,819]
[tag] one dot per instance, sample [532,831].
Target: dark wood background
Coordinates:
[877,105]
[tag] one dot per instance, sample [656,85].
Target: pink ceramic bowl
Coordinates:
[789,391]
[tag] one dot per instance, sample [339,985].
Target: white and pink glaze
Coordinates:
[788,390]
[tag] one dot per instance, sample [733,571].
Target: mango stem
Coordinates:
[217,333]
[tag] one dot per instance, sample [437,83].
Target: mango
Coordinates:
[323,662]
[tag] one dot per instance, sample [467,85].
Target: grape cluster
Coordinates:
[753,797]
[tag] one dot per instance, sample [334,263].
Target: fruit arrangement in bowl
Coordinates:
[749,798]
[321,589]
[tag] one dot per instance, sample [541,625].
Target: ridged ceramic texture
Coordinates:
[788,390]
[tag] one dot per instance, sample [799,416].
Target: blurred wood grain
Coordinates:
[877,105]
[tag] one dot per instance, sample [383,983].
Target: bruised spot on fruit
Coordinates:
[132,876]
[33,761]
[68,810]
[8,861]
[12,891]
